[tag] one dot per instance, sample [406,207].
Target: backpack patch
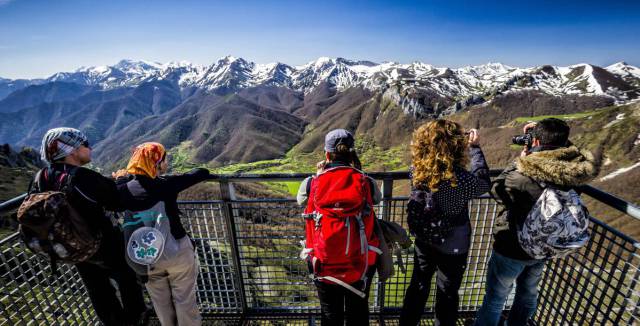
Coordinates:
[148,238]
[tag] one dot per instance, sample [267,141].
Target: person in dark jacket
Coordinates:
[171,281]
[440,152]
[552,160]
[67,150]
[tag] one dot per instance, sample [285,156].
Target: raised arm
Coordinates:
[480,170]
[479,167]
[173,184]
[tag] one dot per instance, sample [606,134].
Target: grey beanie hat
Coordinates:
[57,143]
[337,137]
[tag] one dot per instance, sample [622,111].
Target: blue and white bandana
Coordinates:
[57,143]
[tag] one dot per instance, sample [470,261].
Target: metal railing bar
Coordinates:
[612,230]
[228,211]
[12,203]
[612,200]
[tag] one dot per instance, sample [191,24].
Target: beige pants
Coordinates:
[172,287]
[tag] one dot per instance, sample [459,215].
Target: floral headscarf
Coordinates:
[146,159]
[60,142]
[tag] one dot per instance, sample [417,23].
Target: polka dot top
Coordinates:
[453,201]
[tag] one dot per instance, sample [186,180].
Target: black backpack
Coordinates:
[425,219]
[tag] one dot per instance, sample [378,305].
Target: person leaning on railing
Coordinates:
[171,280]
[440,151]
[67,150]
[552,160]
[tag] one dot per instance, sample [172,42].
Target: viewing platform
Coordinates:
[251,273]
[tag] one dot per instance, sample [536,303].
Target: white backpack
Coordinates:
[556,225]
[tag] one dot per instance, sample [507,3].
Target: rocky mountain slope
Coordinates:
[235,110]
[236,115]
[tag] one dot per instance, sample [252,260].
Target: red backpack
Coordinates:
[340,240]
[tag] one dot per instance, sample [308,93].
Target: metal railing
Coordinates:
[249,267]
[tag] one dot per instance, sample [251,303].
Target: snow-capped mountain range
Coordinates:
[620,81]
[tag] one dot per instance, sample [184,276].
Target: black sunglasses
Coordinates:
[86,144]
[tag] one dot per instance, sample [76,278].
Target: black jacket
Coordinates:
[518,188]
[90,195]
[163,188]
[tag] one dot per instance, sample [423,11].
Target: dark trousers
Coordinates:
[338,304]
[109,264]
[449,268]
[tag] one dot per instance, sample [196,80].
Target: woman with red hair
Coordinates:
[158,247]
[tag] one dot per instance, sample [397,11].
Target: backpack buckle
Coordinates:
[315,216]
[309,216]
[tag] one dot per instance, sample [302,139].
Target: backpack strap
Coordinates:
[344,285]
[35,184]
[67,177]
[364,246]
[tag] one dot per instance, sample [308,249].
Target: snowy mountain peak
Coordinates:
[624,69]
[177,64]
[227,59]
[229,74]
[618,64]
[491,68]
[137,66]
[94,69]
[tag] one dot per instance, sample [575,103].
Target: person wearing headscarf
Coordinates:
[66,150]
[171,280]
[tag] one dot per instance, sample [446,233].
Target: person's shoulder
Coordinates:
[514,179]
[463,175]
[305,183]
[461,171]
[86,173]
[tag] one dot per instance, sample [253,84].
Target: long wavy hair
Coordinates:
[437,147]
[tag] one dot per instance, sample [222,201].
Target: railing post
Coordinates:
[385,213]
[228,196]
[387,193]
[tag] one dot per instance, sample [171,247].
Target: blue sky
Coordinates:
[40,37]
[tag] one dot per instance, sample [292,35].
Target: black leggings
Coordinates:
[106,265]
[450,268]
[339,304]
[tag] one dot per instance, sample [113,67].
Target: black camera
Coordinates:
[524,140]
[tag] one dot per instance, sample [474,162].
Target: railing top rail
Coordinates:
[607,198]
[12,203]
[248,177]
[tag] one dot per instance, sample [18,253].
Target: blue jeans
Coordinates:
[502,272]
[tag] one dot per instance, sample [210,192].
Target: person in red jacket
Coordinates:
[341,246]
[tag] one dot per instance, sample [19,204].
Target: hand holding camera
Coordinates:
[474,137]
[525,139]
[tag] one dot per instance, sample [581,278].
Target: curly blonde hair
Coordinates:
[437,147]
